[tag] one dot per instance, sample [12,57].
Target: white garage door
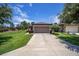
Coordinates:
[41,30]
[72,29]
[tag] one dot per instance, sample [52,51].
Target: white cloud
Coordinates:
[21,6]
[18,19]
[20,16]
[30,4]
[54,19]
[17,9]
[20,12]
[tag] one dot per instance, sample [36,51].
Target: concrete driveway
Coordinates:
[42,44]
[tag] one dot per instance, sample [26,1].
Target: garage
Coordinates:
[41,28]
[71,29]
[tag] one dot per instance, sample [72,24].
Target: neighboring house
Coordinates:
[40,28]
[71,28]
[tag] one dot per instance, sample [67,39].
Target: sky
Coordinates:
[36,12]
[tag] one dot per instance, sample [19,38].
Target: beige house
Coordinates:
[71,28]
[41,28]
[45,28]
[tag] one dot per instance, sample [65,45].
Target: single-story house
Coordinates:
[71,28]
[45,28]
[40,28]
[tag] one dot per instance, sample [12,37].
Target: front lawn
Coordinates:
[13,40]
[73,39]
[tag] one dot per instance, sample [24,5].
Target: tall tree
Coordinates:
[70,13]
[5,13]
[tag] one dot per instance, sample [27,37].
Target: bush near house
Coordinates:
[73,39]
[13,40]
[55,27]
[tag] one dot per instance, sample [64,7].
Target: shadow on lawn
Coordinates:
[4,39]
[70,46]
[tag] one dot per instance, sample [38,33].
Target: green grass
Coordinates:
[13,40]
[73,39]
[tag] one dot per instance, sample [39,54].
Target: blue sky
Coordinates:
[36,12]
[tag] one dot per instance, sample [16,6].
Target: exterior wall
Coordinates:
[71,28]
[41,28]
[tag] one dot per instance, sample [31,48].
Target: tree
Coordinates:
[70,13]
[12,27]
[18,27]
[55,27]
[5,13]
[24,25]
[5,16]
